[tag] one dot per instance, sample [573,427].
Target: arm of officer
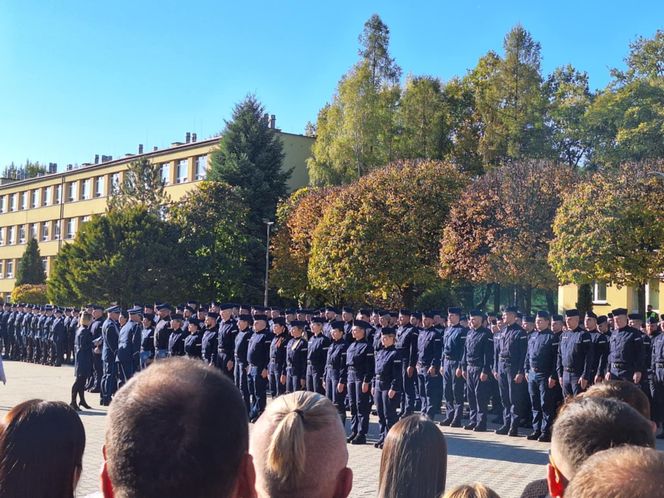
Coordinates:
[397,375]
[588,348]
[488,354]
[371,364]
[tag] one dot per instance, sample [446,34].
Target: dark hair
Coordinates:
[41,443]
[624,391]
[178,428]
[414,460]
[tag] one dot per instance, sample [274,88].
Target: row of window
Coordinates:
[92,187]
[7,267]
[44,231]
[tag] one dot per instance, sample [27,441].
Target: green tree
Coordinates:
[465,125]
[30,293]
[30,270]
[143,185]
[374,50]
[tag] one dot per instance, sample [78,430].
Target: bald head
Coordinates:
[289,441]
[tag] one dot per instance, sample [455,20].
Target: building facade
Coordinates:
[51,208]
[608,296]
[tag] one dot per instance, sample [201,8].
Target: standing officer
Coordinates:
[575,356]
[94,382]
[477,364]
[227,332]
[429,354]
[162,331]
[508,370]
[335,369]
[494,386]
[128,348]
[360,363]
[387,383]
[540,368]
[316,356]
[194,341]
[626,353]
[347,317]
[406,344]
[277,366]
[209,342]
[109,334]
[657,367]
[258,354]
[241,367]
[600,345]
[177,337]
[296,358]
[454,343]
[59,333]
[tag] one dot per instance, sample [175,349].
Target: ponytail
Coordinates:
[286,452]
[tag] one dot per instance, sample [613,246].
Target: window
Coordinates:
[3,204]
[201,167]
[44,262]
[84,220]
[2,236]
[11,235]
[99,186]
[56,230]
[2,273]
[46,196]
[182,171]
[9,268]
[166,173]
[71,228]
[115,182]
[21,234]
[24,200]
[58,194]
[599,292]
[71,192]
[45,230]
[35,198]
[12,202]
[86,190]
[34,231]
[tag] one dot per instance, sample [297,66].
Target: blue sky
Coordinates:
[79,78]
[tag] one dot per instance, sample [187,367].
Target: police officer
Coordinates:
[241,366]
[429,354]
[508,370]
[296,358]
[147,340]
[109,334]
[360,363]
[178,334]
[258,355]
[194,341]
[477,364]
[575,356]
[227,332]
[59,334]
[129,344]
[657,368]
[406,344]
[600,346]
[319,344]
[387,383]
[210,340]
[347,317]
[454,343]
[277,366]
[540,368]
[335,369]
[162,331]
[626,353]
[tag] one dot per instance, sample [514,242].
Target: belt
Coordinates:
[619,364]
[660,365]
[569,370]
[450,358]
[476,365]
[351,369]
[422,365]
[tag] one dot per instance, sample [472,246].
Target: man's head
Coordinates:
[542,320]
[634,471]
[588,425]
[572,319]
[166,430]
[294,435]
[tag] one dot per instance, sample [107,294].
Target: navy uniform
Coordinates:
[657,368]
[94,382]
[177,337]
[59,334]
[430,382]
[626,353]
[258,354]
[540,368]
[128,346]
[360,364]
[109,334]
[210,340]
[575,358]
[82,365]
[316,356]
[226,343]
[477,362]
[388,378]
[162,333]
[277,365]
[406,344]
[454,343]
[508,364]
[241,365]
[335,370]
[296,360]
[194,341]
[147,343]
[600,346]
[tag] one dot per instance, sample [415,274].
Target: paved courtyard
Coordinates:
[503,463]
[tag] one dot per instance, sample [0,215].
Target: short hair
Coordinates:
[591,424]
[86,319]
[414,460]
[476,490]
[292,437]
[632,471]
[624,391]
[178,428]
[41,450]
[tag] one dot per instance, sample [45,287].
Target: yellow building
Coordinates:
[52,207]
[608,296]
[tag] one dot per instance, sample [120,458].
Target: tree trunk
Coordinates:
[496,298]
[550,303]
[485,298]
[408,296]
[584,299]
[641,299]
[528,298]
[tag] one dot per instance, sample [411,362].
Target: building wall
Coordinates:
[615,297]
[55,206]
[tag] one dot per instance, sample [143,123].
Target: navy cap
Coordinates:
[619,311]
[511,309]
[226,306]
[332,309]
[213,314]
[388,331]
[318,319]
[652,319]
[476,313]
[601,319]
[519,314]
[136,310]
[279,320]
[454,310]
[590,314]
[428,314]
[163,306]
[113,309]
[543,314]
[404,312]
[416,314]
[365,311]
[193,321]
[347,309]
[572,313]
[361,323]
[337,325]
[529,319]
[177,316]
[394,314]
[289,311]
[635,316]
[202,308]
[246,318]
[557,317]
[260,316]
[300,324]
[189,308]
[463,318]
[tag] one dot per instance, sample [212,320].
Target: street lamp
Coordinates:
[268,223]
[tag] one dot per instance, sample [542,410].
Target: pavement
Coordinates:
[503,463]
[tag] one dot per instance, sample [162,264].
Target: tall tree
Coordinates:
[30,269]
[374,50]
[142,186]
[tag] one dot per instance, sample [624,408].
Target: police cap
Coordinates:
[300,324]
[619,311]
[543,314]
[601,319]
[318,319]
[279,320]
[246,318]
[454,310]
[571,313]
[388,331]
[635,316]
[590,314]
[337,325]
[260,316]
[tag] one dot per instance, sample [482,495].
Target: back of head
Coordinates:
[178,428]
[635,472]
[41,448]
[414,460]
[299,447]
[624,391]
[471,491]
[591,424]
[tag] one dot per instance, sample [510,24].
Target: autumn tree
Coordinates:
[142,186]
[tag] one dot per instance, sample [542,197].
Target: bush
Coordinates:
[29,293]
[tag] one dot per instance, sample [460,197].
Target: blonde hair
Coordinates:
[86,319]
[476,490]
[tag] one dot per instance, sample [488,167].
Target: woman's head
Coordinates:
[86,319]
[414,460]
[44,439]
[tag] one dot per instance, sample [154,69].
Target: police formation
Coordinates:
[402,362]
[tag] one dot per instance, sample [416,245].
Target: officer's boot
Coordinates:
[73,404]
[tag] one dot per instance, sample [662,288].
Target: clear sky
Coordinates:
[81,77]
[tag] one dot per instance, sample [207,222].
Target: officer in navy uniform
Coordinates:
[648,383]
[477,364]
[241,367]
[360,364]
[387,383]
[335,369]
[494,386]
[258,354]
[94,383]
[316,356]
[296,358]
[4,333]
[277,366]
[429,354]
[626,353]
[59,333]
[177,337]
[600,346]
[128,347]
[542,376]
[210,340]
[347,317]
[227,332]
[657,368]
[454,343]
[194,341]
[406,344]
[162,331]
[147,341]
[575,356]
[109,334]
[508,370]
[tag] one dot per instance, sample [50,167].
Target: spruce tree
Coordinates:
[30,270]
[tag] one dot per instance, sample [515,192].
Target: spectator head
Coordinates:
[178,428]
[624,391]
[41,443]
[635,471]
[86,319]
[588,425]
[295,434]
[414,460]
[471,491]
